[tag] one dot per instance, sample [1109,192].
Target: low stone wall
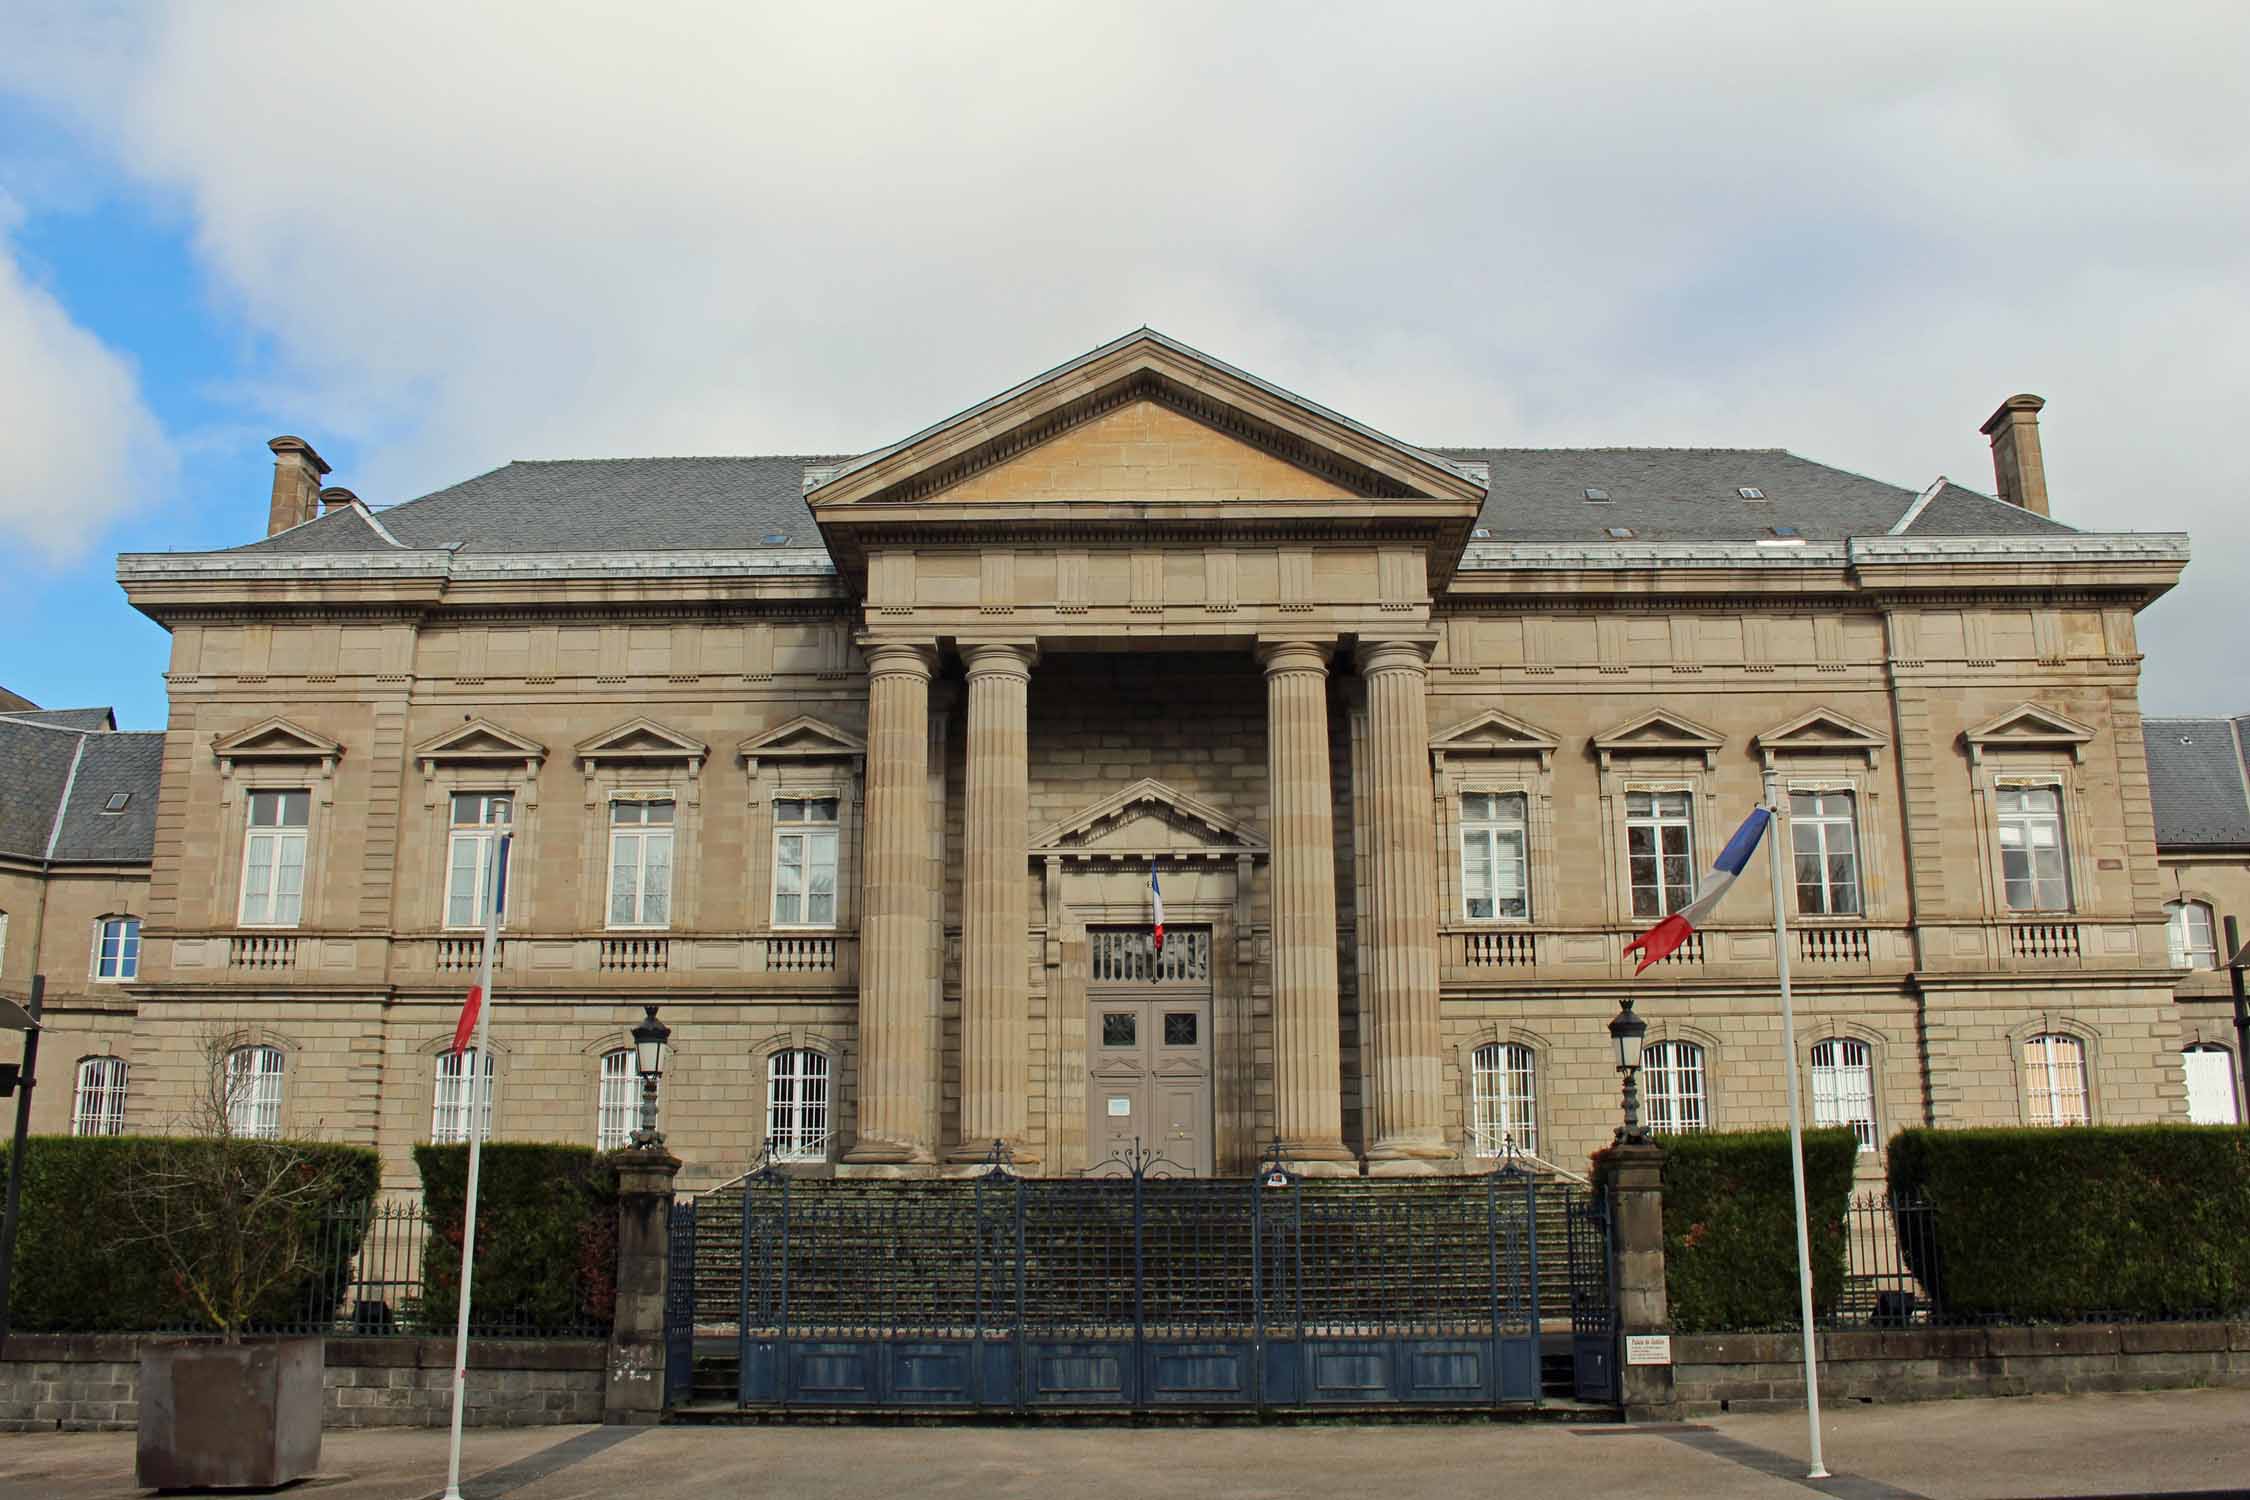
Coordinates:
[1715,1372]
[91,1382]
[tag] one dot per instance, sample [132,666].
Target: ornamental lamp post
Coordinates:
[1627,1030]
[650,1040]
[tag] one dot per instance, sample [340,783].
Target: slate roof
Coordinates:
[94,719]
[36,771]
[2196,780]
[11,702]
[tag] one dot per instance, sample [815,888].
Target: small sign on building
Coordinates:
[1648,1348]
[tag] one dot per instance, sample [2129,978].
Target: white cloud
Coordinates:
[475,233]
[78,447]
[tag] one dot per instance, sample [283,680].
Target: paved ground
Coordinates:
[2181,1443]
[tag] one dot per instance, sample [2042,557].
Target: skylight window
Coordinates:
[1620,533]
[1481,533]
[117,802]
[1750,492]
[776,538]
[1593,493]
[1781,536]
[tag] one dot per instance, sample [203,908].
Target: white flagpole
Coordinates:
[495,877]
[1796,1128]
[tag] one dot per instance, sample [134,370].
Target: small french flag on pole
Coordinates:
[465,1030]
[1660,941]
[1156,900]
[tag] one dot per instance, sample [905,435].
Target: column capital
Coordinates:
[892,656]
[998,658]
[1294,656]
[1409,653]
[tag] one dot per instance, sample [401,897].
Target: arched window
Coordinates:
[98,1105]
[2188,925]
[2054,1072]
[1843,1087]
[1503,1088]
[617,1102]
[254,1092]
[2211,1093]
[117,949]
[451,1107]
[797,1104]
[1672,1097]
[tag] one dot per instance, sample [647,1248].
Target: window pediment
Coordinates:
[1660,732]
[275,741]
[480,742]
[803,738]
[642,742]
[1494,733]
[1149,820]
[2028,726]
[1823,731]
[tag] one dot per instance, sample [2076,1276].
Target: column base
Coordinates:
[886,1170]
[1410,1166]
[962,1161]
[1320,1167]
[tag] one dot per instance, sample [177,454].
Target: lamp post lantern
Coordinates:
[1627,1031]
[650,1040]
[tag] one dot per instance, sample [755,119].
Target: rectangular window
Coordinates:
[2032,866]
[640,863]
[2054,1068]
[618,1101]
[98,1108]
[117,954]
[451,1109]
[273,859]
[1824,833]
[797,1104]
[804,862]
[1672,1095]
[1659,852]
[478,818]
[2210,1086]
[1495,863]
[2188,926]
[254,1092]
[1843,1087]
[1503,1089]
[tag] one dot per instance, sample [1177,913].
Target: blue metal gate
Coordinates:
[679,1305]
[1140,1290]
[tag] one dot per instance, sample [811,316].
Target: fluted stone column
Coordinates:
[1308,1074]
[995,963]
[1400,987]
[894,973]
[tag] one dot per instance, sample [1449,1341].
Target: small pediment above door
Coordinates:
[2028,726]
[1659,732]
[1149,820]
[1494,733]
[479,742]
[803,738]
[275,740]
[1823,731]
[642,741]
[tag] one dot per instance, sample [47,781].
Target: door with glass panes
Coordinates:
[1148,1048]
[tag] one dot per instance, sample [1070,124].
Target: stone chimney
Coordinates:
[2016,465]
[336,497]
[297,471]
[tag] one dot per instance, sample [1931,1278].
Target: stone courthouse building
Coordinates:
[861,766]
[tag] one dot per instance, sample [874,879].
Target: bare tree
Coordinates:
[234,1214]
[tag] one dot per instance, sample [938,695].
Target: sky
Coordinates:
[430,239]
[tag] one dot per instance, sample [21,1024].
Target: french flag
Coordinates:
[1156,899]
[465,1030]
[1660,941]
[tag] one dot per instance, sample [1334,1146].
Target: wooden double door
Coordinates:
[1148,1052]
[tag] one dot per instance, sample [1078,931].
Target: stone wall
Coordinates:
[1734,1372]
[91,1382]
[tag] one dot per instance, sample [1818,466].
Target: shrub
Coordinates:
[546,1237]
[1730,1226]
[2137,1221]
[84,1264]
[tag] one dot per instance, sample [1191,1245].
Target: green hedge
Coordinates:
[546,1237]
[1730,1226]
[83,1264]
[2138,1221]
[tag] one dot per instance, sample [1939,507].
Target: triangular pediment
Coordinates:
[478,740]
[1494,733]
[275,739]
[641,740]
[2028,726]
[1659,732]
[1149,820]
[1822,731]
[802,738]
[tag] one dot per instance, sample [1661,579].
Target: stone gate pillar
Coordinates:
[995,907]
[1634,1177]
[634,1392]
[1307,1060]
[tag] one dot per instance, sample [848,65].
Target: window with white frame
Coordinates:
[273,859]
[117,949]
[1672,1089]
[1503,1092]
[3,941]
[2054,1072]
[451,1107]
[797,1104]
[1659,851]
[2032,865]
[477,819]
[1495,857]
[1824,835]
[640,862]
[2188,925]
[2211,1095]
[1843,1087]
[618,1100]
[804,862]
[254,1092]
[98,1105]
